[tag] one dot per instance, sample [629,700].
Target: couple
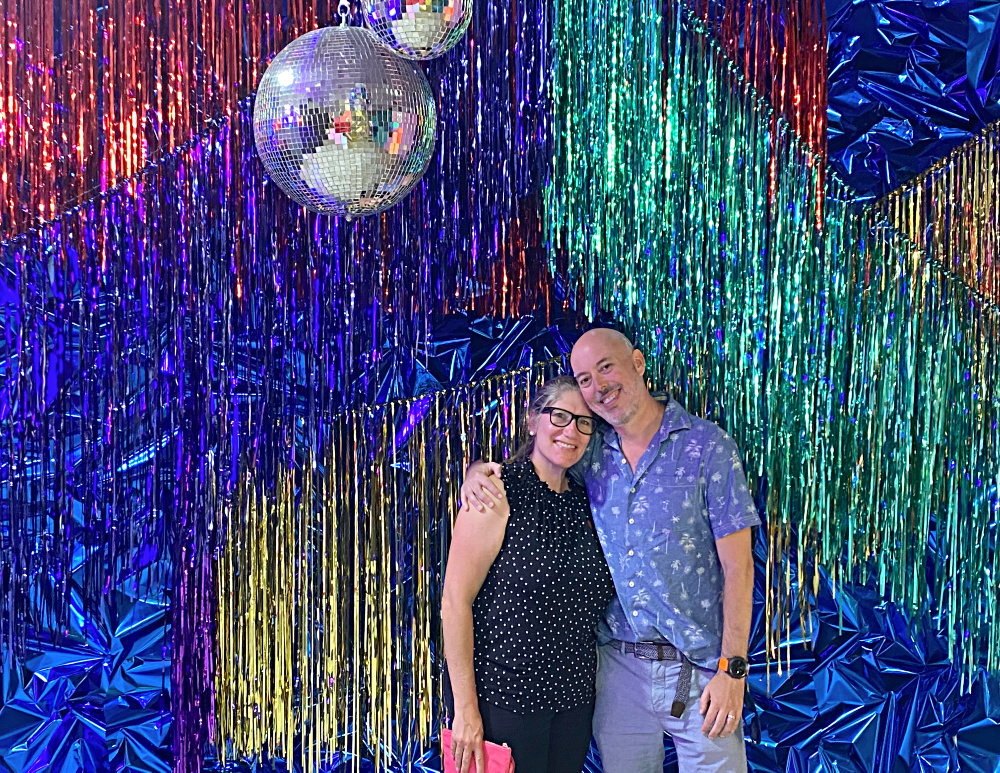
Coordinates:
[664,586]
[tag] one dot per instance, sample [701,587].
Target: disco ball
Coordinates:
[419,29]
[342,124]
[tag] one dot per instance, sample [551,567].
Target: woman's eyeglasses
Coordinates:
[561,418]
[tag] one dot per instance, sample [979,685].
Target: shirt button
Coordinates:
[631,520]
[631,584]
[635,614]
[633,490]
[631,553]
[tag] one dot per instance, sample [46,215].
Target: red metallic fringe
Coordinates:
[90,97]
[780,45]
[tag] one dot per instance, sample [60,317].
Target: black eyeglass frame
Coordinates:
[574,417]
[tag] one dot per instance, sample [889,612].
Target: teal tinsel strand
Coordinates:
[857,377]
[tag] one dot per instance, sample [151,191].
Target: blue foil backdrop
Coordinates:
[140,321]
[909,80]
[866,691]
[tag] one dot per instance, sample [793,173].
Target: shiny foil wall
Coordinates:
[186,320]
[909,81]
[92,92]
[857,371]
[188,339]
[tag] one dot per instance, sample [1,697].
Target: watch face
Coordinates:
[738,668]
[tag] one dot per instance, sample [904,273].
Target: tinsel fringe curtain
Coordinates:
[94,94]
[951,214]
[93,91]
[858,374]
[178,329]
[171,342]
[328,629]
[780,48]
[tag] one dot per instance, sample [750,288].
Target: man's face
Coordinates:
[609,373]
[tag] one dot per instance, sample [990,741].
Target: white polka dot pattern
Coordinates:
[536,615]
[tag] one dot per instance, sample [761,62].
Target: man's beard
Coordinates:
[622,416]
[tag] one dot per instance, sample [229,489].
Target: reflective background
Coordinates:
[453,287]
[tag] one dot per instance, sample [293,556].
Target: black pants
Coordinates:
[543,742]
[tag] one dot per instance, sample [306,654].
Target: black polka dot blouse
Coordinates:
[535,616]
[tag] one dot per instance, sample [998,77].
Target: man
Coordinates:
[673,513]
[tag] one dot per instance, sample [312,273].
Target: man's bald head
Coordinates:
[609,370]
[606,339]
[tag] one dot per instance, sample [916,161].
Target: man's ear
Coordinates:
[639,361]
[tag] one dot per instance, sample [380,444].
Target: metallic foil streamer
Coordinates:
[867,691]
[328,628]
[191,314]
[951,213]
[780,46]
[164,341]
[858,377]
[92,92]
[96,94]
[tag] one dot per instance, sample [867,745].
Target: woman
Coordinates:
[525,585]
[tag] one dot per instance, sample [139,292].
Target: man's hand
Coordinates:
[722,705]
[482,487]
[467,742]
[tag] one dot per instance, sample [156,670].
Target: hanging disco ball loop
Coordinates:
[419,29]
[342,124]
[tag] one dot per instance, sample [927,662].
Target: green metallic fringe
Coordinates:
[858,377]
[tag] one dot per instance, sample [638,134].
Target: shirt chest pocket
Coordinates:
[659,515]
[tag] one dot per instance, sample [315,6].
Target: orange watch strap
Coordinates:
[723,664]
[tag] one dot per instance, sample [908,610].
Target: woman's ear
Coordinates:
[532,425]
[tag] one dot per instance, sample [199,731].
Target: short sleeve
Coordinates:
[730,504]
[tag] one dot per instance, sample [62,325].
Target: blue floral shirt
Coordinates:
[658,528]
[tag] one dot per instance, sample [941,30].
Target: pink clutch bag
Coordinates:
[498,758]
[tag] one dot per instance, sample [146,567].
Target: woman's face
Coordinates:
[561,446]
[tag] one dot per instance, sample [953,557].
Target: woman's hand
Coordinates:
[467,742]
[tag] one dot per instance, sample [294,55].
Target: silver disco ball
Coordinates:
[419,29]
[342,124]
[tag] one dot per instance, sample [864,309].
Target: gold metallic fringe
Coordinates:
[952,214]
[329,588]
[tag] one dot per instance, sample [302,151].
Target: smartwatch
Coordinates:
[736,667]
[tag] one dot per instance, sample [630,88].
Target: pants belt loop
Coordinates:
[683,688]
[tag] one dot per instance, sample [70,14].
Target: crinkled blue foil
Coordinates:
[867,692]
[95,698]
[270,287]
[909,81]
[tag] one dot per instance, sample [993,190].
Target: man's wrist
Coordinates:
[736,666]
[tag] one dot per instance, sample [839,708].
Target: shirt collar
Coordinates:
[675,418]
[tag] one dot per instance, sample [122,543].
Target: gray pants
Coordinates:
[633,712]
